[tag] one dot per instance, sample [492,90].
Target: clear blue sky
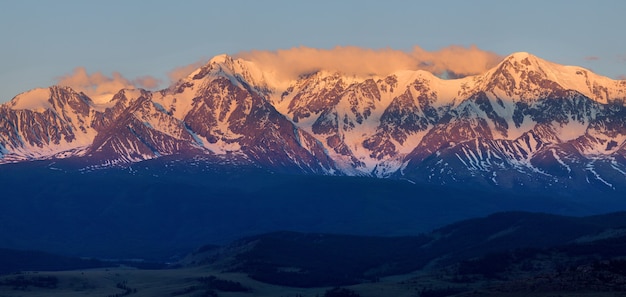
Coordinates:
[42,40]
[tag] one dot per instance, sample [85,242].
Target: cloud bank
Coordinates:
[452,61]
[455,61]
[100,87]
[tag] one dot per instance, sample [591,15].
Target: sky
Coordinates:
[149,43]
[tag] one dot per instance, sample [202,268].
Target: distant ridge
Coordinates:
[488,245]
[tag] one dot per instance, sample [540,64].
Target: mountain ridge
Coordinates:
[524,122]
[311,257]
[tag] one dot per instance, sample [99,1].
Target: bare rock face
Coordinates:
[525,123]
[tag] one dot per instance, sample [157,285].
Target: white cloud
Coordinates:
[100,87]
[456,60]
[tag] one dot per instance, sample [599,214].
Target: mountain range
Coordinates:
[525,124]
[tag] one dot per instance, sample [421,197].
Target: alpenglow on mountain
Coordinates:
[526,123]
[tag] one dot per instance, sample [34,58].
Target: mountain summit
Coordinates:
[525,123]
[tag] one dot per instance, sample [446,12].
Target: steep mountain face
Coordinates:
[45,123]
[227,115]
[526,123]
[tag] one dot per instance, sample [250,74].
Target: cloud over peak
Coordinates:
[456,60]
[100,87]
[452,61]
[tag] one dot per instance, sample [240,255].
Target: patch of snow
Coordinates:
[493,178]
[195,136]
[591,169]
[615,165]
[461,159]
[409,181]
[558,159]
[506,111]
[411,142]
[385,168]
[220,147]
[572,130]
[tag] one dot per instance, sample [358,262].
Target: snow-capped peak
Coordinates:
[222,58]
[36,100]
[523,76]
[521,64]
[520,56]
[241,71]
[224,65]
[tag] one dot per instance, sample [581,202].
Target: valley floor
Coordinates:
[192,282]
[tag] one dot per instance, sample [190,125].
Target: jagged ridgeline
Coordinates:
[527,123]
